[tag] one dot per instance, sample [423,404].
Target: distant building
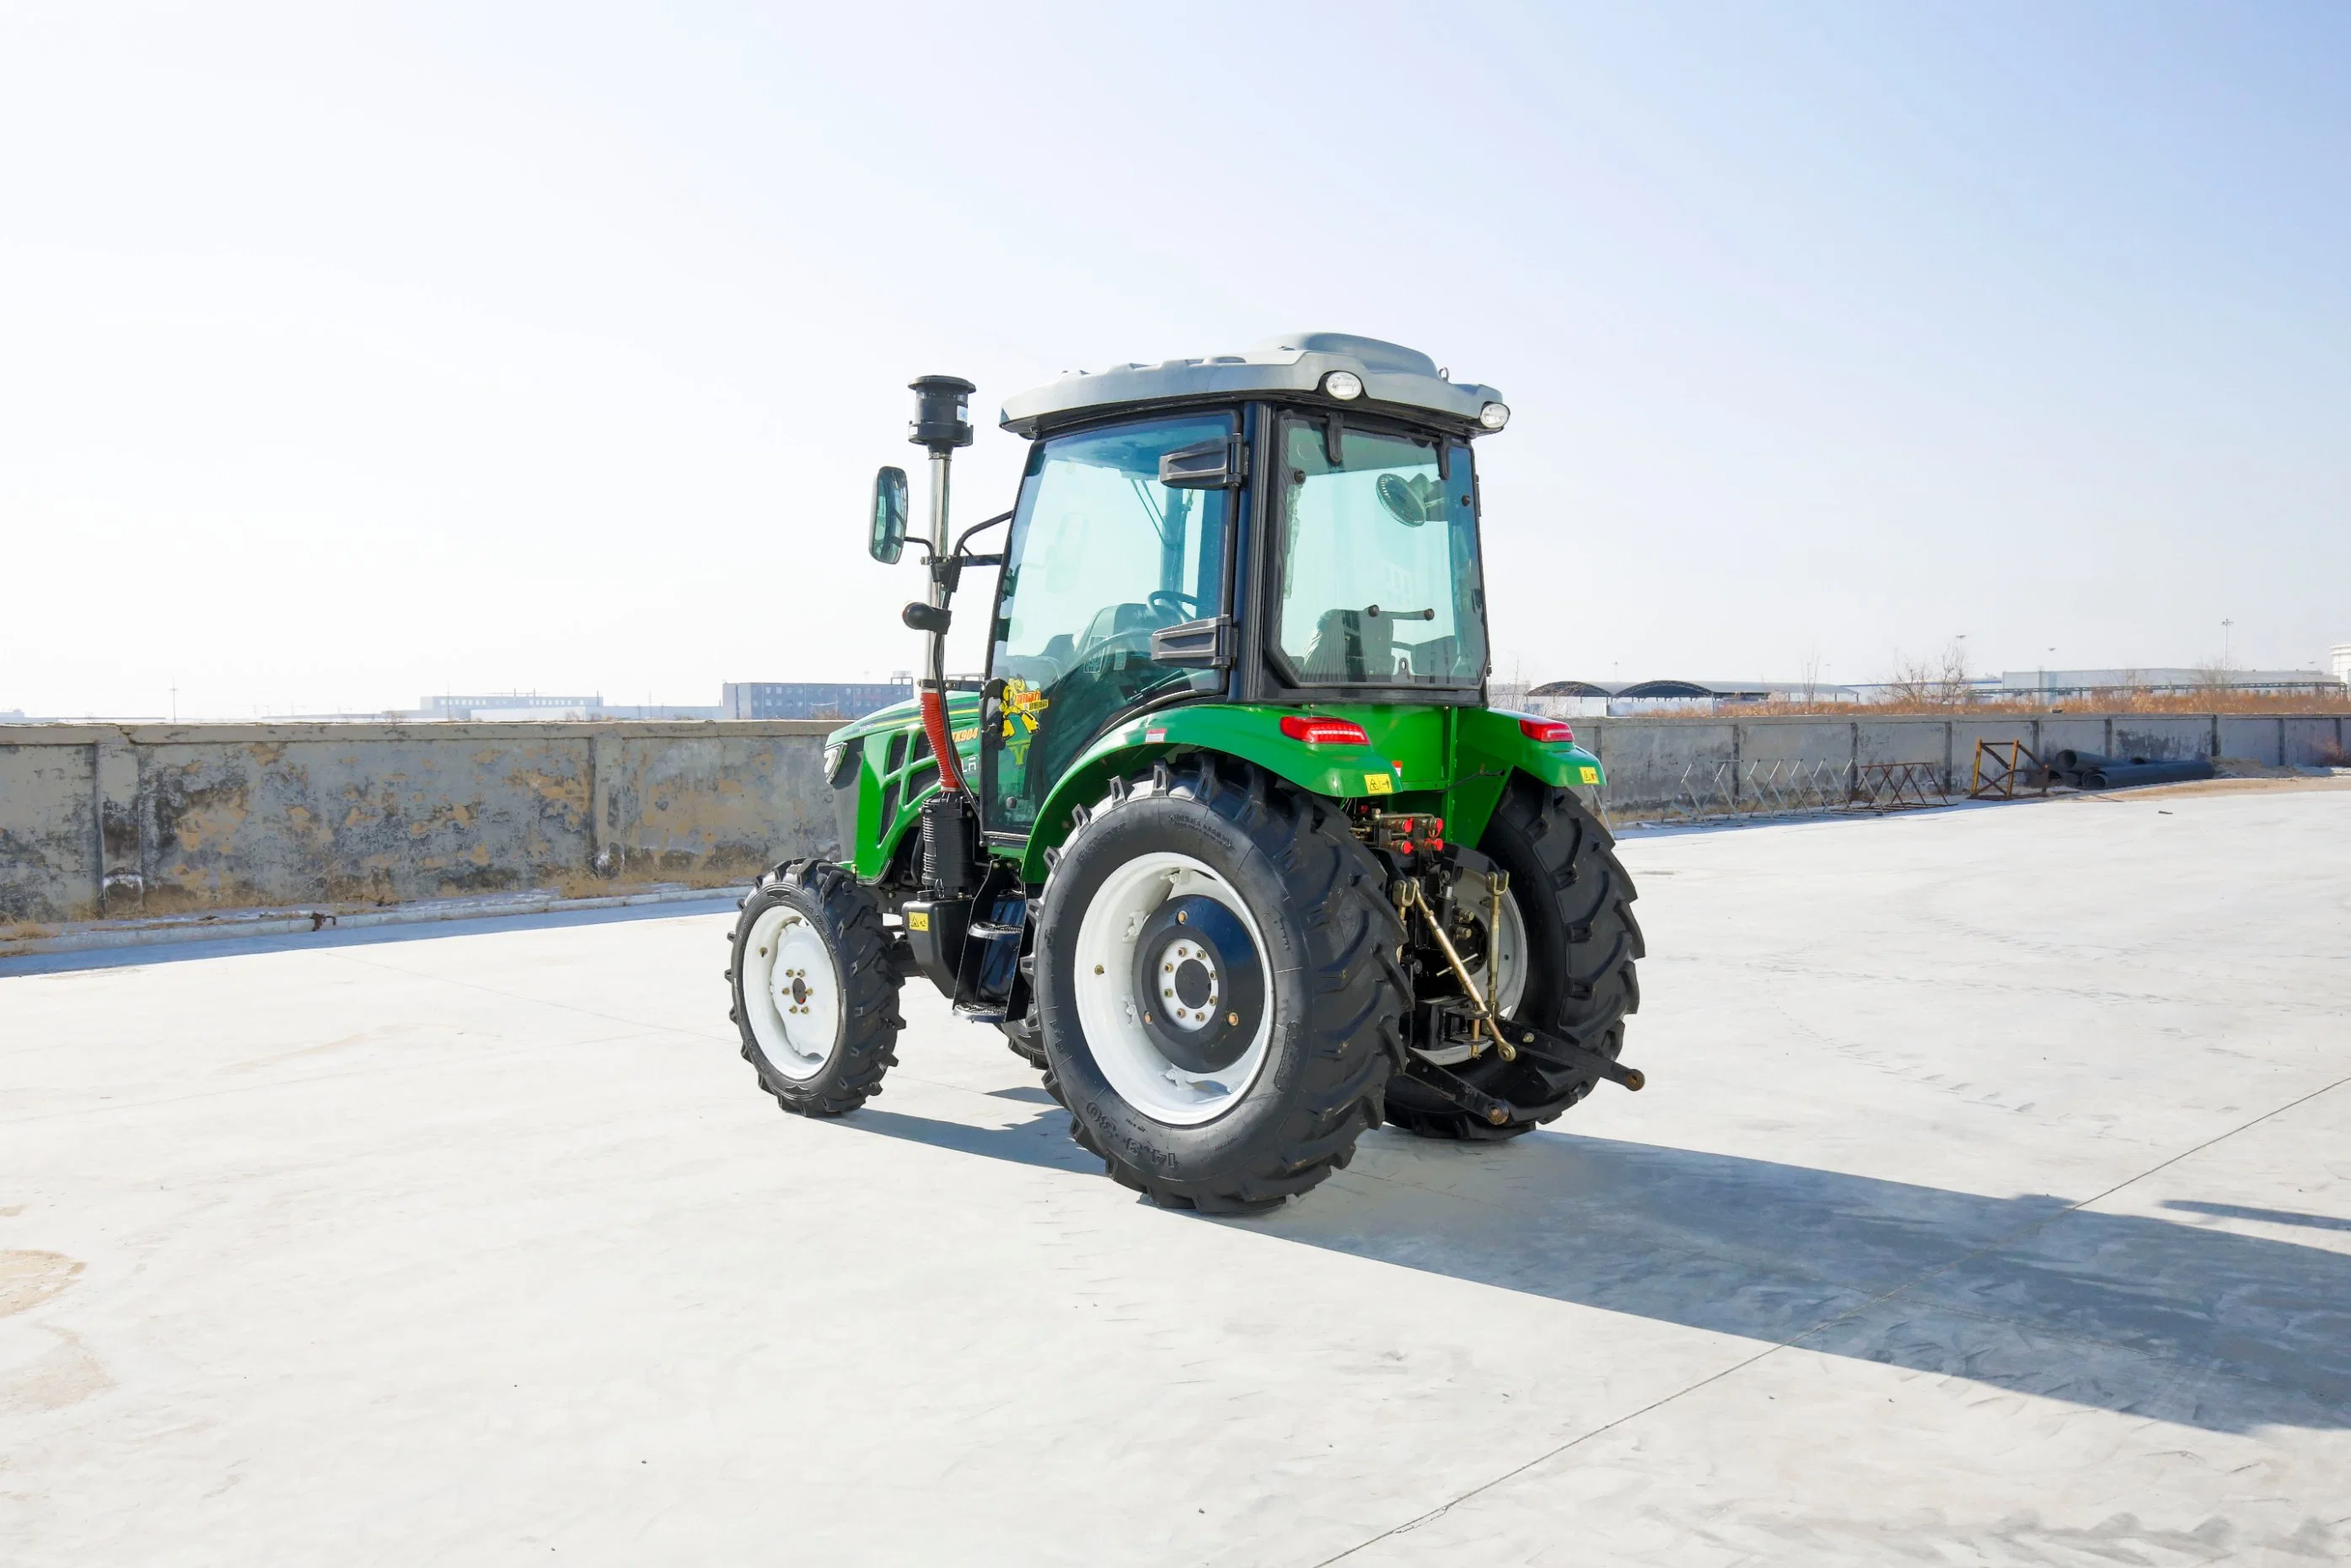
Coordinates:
[812,699]
[506,706]
[2341,654]
[2166,682]
[1565,699]
[1589,699]
[662,710]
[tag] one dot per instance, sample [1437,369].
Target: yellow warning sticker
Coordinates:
[1591,775]
[1378,784]
[918,920]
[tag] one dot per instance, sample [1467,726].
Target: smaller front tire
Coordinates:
[816,998]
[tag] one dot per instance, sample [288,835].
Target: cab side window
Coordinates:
[1102,555]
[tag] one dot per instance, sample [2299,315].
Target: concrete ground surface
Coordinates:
[1991,1202]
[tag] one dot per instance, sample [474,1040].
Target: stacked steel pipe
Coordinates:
[2088,770]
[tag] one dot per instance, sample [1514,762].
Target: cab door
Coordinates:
[1102,555]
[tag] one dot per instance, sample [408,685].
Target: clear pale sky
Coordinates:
[347,354]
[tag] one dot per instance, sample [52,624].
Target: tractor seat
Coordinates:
[1123,622]
[1350,645]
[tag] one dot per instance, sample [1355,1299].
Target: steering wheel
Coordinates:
[1190,602]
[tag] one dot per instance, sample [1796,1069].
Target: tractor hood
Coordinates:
[1295,362]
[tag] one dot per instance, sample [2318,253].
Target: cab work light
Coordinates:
[1549,731]
[1324,731]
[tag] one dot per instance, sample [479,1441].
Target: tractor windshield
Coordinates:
[1380,582]
[1101,556]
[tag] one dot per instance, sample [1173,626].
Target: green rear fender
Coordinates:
[1492,738]
[1455,760]
[1491,747]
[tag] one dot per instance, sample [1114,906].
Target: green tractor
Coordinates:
[1226,840]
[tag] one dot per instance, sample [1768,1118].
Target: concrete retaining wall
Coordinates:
[126,820]
[129,820]
[1712,766]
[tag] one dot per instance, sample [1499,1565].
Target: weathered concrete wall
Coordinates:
[120,820]
[48,829]
[1710,766]
[107,819]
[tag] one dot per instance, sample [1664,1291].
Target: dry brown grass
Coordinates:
[588,884]
[1932,701]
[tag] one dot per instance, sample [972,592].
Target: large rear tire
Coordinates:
[1575,900]
[1217,987]
[816,998]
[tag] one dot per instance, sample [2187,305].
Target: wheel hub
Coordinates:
[1194,986]
[1203,989]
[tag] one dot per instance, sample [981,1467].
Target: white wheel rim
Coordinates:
[792,992]
[1110,1007]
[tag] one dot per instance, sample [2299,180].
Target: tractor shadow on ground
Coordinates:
[1042,1140]
[2179,1322]
[2176,1322]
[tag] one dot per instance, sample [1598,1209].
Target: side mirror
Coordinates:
[889,516]
[1218,465]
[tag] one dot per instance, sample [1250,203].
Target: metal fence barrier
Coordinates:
[1790,787]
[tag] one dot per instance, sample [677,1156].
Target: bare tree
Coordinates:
[2214,675]
[1940,682]
[1953,686]
[1912,683]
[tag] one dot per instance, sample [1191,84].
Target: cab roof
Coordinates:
[1294,362]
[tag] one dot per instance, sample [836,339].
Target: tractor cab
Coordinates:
[1296,526]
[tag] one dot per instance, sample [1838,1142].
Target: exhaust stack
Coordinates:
[942,422]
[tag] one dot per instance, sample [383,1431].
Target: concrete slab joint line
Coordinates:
[1815,1329]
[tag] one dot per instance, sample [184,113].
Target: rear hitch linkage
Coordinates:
[1545,1046]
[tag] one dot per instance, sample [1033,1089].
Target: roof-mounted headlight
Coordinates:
[1344,385]
[1494,415]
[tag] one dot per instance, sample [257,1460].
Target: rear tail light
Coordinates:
[1550,731]
[1324,731]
